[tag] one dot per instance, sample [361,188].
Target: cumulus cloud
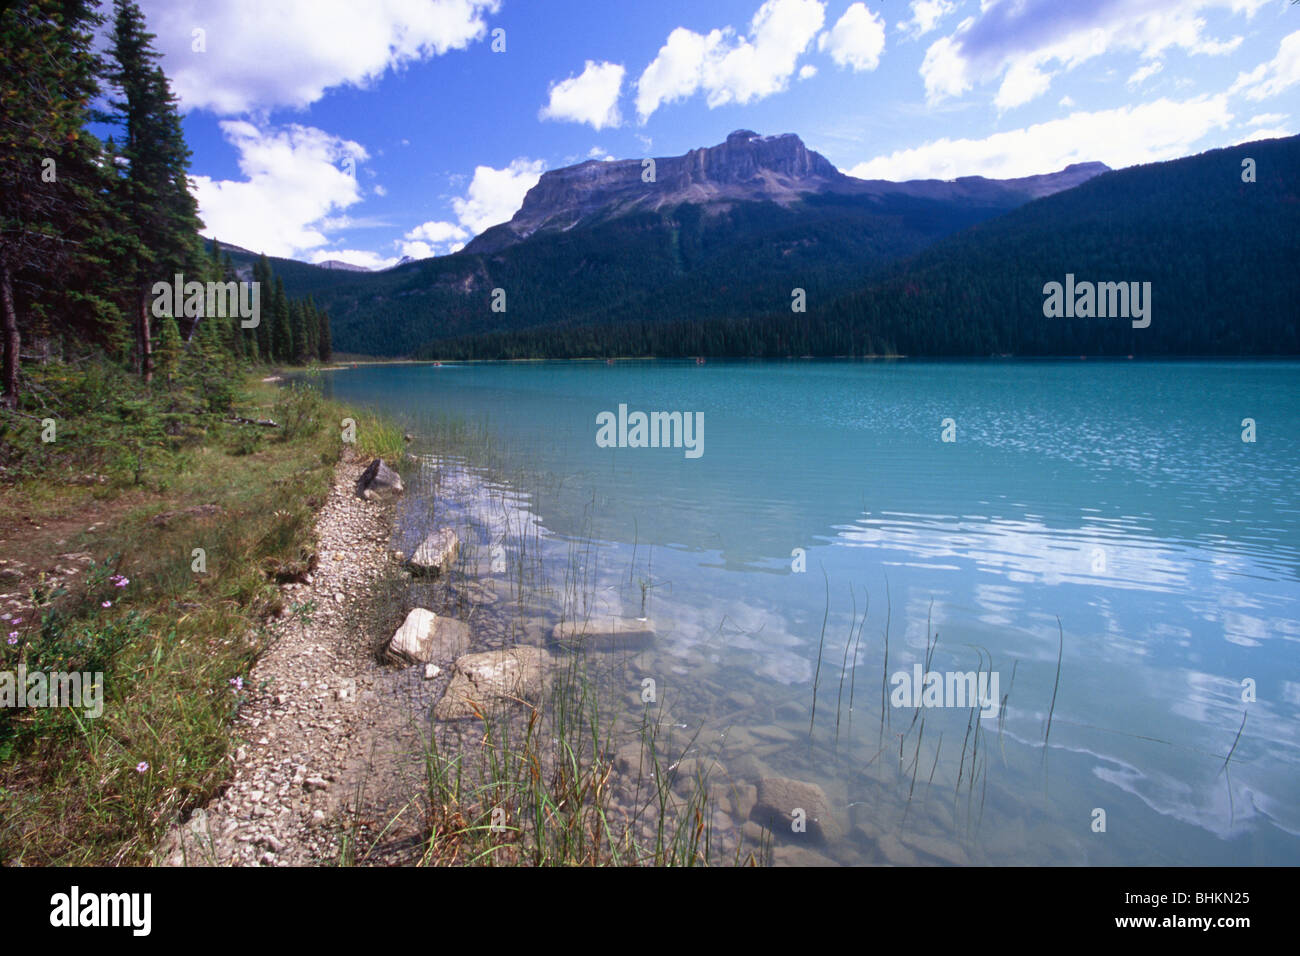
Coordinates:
[926,15]
[729,68]
[259,55]
[1025,43]
[495,195]
[1147,133]
[856,40]
[591,97]
[1278,74]
[296,177]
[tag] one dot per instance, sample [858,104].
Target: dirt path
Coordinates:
[321,743]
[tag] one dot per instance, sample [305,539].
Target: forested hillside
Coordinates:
[655,266]
[1220,253]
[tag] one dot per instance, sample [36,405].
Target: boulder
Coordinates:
[425,637]
[480,682]
[377,478]
[602,633]
[436,553]
[780,797]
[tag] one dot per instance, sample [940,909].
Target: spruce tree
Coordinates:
[262,276]
[281,332]
[325,350]
[154,190]
[55,226]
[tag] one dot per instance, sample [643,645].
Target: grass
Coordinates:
[176,639]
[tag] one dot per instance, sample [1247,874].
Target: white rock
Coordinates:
[425,637]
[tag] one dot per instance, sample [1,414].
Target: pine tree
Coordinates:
[54,222]
[263,332]
[282,334]
[154,191]
[325,350]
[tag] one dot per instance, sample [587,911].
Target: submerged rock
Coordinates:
[378,477]
[604,634]
[481,682]
[436,553]
[780,797]
[425,637]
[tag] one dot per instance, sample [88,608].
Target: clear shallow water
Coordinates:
[1117,497]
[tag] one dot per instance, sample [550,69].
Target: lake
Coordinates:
[1092,540]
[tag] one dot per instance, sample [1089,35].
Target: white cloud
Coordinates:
[295,178]
[262,55]
[1026,43]
[856,40]
[1121,137]
[1143,73]
[728,68]
[1264,118]
[356,257]
[1022,82]
[379,190]
[926,15]
[1067,101]
[433,238]
[807,71]
[944,71]
[495,195]
[599,152]
[1278,74]
[590,98]
[1273,133]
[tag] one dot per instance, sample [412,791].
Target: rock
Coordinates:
[436,554]
[378,477]
[738,698]
[773,733]
[480,681]
[601,633]
[431,671]
[780,797]
[425,637]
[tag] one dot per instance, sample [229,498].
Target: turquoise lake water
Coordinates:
[1117,497]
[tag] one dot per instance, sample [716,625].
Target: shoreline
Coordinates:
[301,740]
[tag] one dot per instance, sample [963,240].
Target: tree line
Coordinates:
[89,226]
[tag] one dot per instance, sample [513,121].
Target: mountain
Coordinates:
[341,266]
[726,231]
[1213,255]
[745,168]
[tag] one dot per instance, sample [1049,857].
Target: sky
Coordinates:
[369,130]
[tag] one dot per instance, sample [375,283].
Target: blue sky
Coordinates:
[365,130]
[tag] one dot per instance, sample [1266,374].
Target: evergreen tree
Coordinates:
[281,333]
[325,349]
[54,221]
[154,191]
[263,332]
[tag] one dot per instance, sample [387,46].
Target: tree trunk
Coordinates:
[12,341]
[146,340]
